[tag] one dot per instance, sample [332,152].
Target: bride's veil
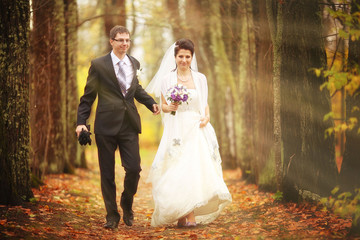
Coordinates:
[167,65]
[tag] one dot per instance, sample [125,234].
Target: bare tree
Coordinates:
[14,102]
[48,89]
[308,158]
[114,14]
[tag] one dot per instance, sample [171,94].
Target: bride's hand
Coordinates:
[172,107]
[204,121]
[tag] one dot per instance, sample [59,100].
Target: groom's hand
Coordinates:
[79,128]
[156,109]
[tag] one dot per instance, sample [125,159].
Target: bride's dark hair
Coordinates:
[184,43]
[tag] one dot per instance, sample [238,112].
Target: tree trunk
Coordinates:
[14,102]
[337,54]
[238,37]
[225,86]
[275,14]
[48,89]
[264,161]
[223,34]
[175,20]
[309,163]
[231,38]
[247,63]
[115,14]
[133,18]
[206,31]
[350,168]
[349,174]
[75,152]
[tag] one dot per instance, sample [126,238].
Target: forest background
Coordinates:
[283,80]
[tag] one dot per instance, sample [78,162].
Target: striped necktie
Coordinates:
[121,79]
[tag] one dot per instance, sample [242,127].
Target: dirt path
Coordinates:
[71,207]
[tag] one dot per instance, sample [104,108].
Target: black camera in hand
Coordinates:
[84,136]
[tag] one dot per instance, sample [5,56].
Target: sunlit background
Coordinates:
[283,81]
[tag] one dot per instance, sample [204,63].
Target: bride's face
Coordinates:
[183,59]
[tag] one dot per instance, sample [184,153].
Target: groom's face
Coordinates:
[121,43]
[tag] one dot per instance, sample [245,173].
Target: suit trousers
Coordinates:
[128,142]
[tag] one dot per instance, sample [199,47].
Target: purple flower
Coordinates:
[177,94]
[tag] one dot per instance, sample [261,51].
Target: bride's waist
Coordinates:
[187,108]
[189,117]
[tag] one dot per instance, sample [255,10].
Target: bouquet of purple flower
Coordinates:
[177,94]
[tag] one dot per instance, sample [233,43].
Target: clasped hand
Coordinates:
[156,109]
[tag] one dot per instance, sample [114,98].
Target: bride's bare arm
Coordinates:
[166,107]
[205,119]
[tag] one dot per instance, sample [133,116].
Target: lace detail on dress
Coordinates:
[216,155]
[176,141]
[224,198]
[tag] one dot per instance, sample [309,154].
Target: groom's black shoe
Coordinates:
[128,215]
[111,224]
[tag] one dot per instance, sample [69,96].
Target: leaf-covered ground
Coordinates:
[71,207]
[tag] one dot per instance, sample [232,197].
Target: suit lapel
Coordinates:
[135,68]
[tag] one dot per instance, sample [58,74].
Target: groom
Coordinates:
[117,123]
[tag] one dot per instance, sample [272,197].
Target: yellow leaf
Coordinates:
[328,132]
[325,84]
[356,79]
[328,116]
[353,120]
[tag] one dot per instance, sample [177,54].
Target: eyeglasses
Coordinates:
[121,40]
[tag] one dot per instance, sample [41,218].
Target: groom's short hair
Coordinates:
[118,29]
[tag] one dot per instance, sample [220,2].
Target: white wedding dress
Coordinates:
[188,175]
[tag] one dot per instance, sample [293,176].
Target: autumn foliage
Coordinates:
[71,207]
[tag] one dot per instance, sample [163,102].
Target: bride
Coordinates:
[186,174]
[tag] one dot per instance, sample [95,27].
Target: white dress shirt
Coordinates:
[126,66]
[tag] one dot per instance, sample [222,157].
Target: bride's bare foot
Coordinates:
[191,217]
[187,221]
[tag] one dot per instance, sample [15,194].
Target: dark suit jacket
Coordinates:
[112,105]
